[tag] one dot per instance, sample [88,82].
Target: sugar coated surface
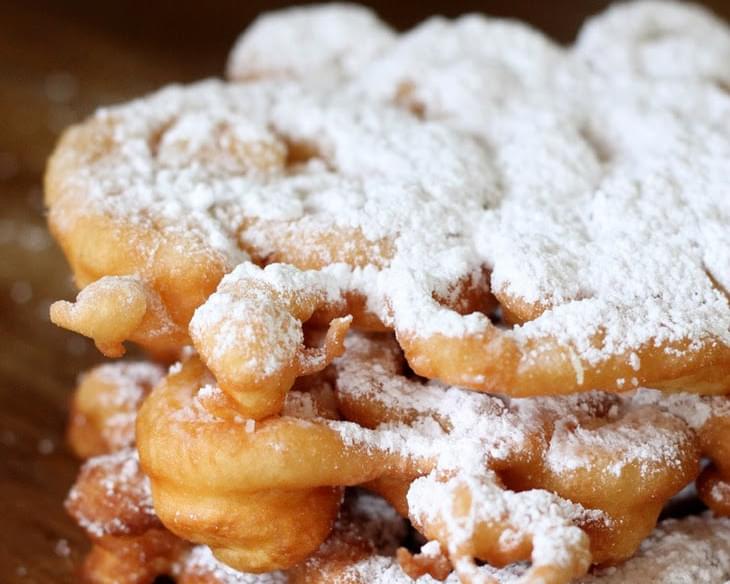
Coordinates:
[590,181]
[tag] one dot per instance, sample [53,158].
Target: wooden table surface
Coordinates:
[58,61]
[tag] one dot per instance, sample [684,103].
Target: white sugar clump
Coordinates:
[130,381]
[322,43]
[201,562]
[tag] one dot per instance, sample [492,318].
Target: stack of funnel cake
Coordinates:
[450,305]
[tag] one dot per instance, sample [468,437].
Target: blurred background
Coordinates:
[58,62]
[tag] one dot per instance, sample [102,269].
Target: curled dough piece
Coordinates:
[112,503]
[249,333]
[262,495]
[533,359]
[114,309]
[475,517]
[243,485]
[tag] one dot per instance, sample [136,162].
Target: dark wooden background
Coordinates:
[58,61]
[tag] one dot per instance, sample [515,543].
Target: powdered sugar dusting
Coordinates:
[167,159]
[117,481]
[693,409]
[248,291]
[460,433]
[326,43]
[615,165]
[641,439]
[128,379]
[463,429]
[689,550]
[202,563]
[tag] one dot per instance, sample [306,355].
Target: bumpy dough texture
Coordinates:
[585,448]
[622,456]
[565,481]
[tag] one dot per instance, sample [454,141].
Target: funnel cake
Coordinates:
[539,188]
[458,302]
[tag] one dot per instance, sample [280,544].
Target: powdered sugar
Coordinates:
[197,410]
[665,40]
[109,397]
[543,518]
[693,409]
[693,550]
[324,43]
[592,169]
[460,433]
[252,307]
[464,430]
[169,160]
[641,440]
[202,563]
[574,172]
[114,489]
